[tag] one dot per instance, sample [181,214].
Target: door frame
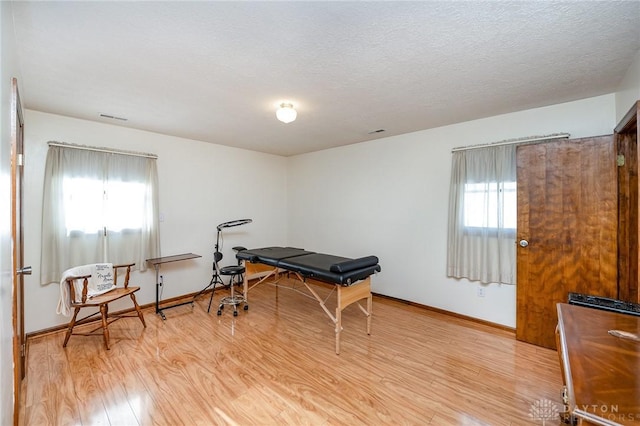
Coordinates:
[17,237]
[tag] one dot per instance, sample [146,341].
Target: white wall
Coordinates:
[389,197]
[629,90]
[201,185]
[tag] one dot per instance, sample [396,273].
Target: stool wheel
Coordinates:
[235,313]
[246,307]
[219,312]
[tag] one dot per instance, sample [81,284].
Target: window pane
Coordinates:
[510,207]
[89,210]
[83,199]
[125,207]
[489,205]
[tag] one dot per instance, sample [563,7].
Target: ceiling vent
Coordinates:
[113,117]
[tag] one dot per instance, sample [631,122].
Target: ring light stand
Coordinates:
[217,256]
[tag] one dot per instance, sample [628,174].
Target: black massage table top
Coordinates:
[270,255]
[324,267]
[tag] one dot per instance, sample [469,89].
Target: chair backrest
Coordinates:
[81,283]
[80,288]
[101,280]
[217,257]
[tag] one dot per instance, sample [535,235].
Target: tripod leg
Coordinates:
[213,290]
[204,289]
[214,280]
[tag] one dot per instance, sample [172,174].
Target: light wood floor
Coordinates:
[275,364]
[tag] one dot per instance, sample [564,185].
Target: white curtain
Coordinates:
[97,207]
[482,215]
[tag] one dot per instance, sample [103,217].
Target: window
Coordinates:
[496,200]
[83,204]
[93,206]
[98,207]
[482,215]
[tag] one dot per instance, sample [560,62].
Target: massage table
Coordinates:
[351,277]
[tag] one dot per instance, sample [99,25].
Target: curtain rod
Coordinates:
[515,141]
[107,150]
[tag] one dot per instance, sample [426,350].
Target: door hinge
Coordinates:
[20,160]
[22,350]
[620,160]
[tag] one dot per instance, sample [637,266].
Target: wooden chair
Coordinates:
[102,302]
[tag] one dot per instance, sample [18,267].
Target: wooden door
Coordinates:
[17,160]
[567,214]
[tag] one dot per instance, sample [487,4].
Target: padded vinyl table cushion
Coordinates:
[323,267]
[270,255]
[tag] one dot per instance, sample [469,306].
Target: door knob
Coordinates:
[523,243]
[24,271]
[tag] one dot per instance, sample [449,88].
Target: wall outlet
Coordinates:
[481,291]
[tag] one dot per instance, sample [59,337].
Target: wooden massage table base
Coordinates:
[345,295]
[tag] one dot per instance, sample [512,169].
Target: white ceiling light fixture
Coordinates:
[286,113]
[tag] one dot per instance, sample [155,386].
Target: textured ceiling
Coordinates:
[214,71]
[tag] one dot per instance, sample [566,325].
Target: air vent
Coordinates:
[113,117]
[376,131]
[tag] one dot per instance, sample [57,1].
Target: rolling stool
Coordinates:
[236,274]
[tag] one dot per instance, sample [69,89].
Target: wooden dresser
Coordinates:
[601,371]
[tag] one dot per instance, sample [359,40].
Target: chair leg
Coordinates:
[138,310]
[72,323]
[104,310]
